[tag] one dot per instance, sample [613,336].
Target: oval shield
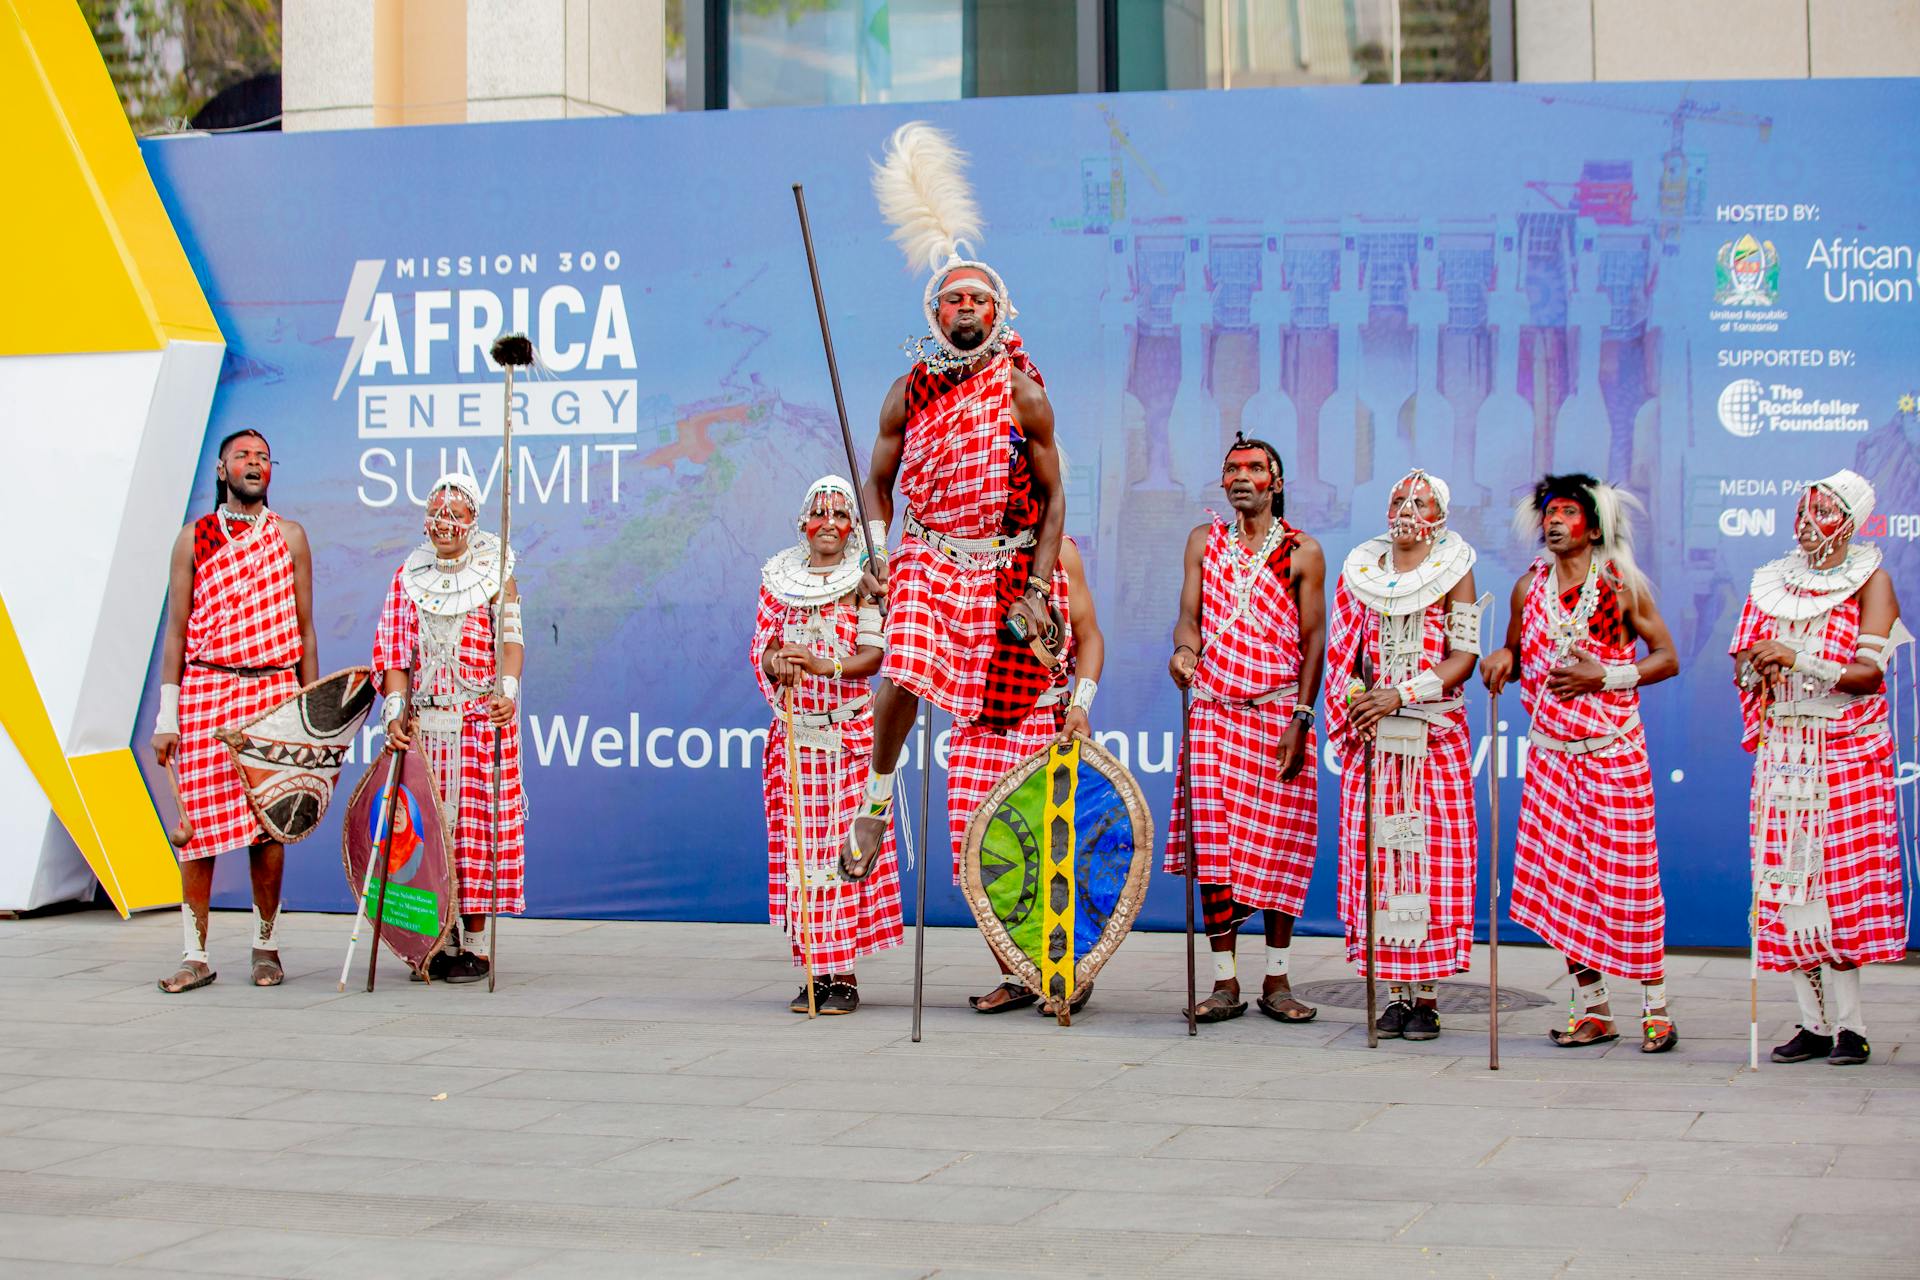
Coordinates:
[1055,866]
[422,897]
[289,756]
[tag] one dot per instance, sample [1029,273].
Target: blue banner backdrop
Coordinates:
[1706,296]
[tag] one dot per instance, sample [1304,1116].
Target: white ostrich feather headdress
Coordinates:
[922,189]
[1617,510]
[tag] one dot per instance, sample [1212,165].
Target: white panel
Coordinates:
[1864,37]
[135,595]
[84,416]
[1699,40]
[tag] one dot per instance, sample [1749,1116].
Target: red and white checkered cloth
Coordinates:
[242,615]
[844,920]
[953,474]
[1255,833]
[1586,868]
[1860,874]
[1446,872]
[465,762]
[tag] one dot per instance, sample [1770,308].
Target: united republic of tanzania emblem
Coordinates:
[1746,273]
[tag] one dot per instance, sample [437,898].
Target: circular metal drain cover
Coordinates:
[1453,997]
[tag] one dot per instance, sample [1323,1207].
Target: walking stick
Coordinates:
[384,820]
[1193,874]
[1493,881]
[920,874]
[510,351]
[389,807]
[833,369]
[1366,917]
[1756,849]
[800,854]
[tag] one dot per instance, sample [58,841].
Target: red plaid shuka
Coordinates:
[963,472]
[1446,872]
[242,615]
[1860,875]
[1256,834]
[845,919]
[1586,868]
[463,765]
[979,755]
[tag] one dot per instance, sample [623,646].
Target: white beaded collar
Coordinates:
[1384,589]
[788,579]
[437,589]
[1792,590]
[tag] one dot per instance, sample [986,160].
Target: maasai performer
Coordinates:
[815,646]
[1586,869]
[446,694]
[1406,629]
[239,639]
[968,433]
[1249,644]
[982,753]
[1810,658]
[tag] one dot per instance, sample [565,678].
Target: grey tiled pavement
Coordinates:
[635,1100]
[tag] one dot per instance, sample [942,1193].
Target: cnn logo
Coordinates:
[1745,522]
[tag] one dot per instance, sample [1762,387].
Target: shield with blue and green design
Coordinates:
[1055,866]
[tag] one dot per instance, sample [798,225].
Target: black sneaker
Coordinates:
[1422,1024]
[799,1003]
[1392,1022]
[1850,1049]
[436,968]
[1804,1047]
[466,967]
[842,997]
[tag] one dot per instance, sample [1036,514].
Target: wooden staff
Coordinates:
[920,870]
[1366,916]
[390,805]
[510,351]
[1756,851]
[1192,860]
[1493,881]
[180,835]
[800,852]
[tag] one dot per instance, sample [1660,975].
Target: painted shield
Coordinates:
[422,893]
[1056,865]
[289,757]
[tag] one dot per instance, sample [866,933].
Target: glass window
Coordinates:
[794,53]
[1243,44]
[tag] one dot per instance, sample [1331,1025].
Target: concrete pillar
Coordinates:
[354,63]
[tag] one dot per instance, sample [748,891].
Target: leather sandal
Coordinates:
[1018,997]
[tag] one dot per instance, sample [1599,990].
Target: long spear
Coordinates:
[833,367]
[510,351]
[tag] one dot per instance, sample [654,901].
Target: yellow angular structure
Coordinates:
[109,355]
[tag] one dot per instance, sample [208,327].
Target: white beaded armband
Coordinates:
[1872,650]
[392,708]
[868,632]
[1821,669]
[1083,691]
[1464,625]
[1425,687]
[510,689]
[876,539]
[168,721]
[1618,679]
[510,632]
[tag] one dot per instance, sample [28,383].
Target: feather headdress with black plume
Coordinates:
[921,187]
[1609,509]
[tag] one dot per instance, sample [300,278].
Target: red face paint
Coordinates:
[1569,515]
[1249,465]
[1822,512]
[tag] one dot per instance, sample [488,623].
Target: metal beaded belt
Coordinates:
[839,715]
[1584,746]
[966,551]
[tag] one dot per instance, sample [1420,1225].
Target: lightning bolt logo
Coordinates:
[356,315]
